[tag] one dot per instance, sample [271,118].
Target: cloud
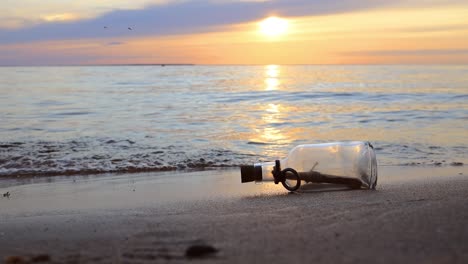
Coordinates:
[180,18]
[425,52]
[443,28]
[115,43]
[60,17]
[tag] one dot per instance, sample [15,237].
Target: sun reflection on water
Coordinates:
[273,108]
[272,77]
[272,70]
[270,130]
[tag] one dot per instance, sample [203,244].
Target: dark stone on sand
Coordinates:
[456,164]
[200,251]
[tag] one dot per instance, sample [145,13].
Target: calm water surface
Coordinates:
[59,120]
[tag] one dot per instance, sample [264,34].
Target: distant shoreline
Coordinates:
[142,64]
[105,65]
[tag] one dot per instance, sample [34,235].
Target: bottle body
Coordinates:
[353,163]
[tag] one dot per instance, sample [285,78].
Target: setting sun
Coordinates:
[273,26]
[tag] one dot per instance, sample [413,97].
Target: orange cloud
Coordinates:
[60,17]
[374,36]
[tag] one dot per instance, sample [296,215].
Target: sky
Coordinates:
[82,32]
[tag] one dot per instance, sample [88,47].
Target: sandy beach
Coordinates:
[416,215]
[139,131]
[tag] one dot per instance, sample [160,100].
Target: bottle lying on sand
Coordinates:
[349,163]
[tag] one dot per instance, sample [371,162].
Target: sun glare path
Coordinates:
[273,26]
[271,79]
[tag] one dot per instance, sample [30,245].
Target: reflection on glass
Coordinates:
[333,149]
[271,80]
[357,149]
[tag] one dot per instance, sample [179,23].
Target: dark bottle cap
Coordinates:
[250,173]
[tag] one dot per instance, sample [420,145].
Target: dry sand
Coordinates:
[416,215]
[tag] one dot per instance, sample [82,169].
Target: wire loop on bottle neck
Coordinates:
[286,177]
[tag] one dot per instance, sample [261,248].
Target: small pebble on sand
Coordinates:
[200,251]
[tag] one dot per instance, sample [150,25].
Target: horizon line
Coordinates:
[225,64]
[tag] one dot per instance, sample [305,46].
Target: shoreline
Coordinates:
[176,170]
[417,214]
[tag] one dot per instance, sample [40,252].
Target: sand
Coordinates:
[416,215]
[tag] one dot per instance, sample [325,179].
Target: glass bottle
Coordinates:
[351,163]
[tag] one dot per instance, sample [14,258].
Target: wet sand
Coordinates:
[416,215]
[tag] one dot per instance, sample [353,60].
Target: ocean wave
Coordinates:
[130,119]
[107,155]
[92,156]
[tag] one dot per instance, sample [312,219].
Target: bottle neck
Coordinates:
[267,168]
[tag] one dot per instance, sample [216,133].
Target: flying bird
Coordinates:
[129,28]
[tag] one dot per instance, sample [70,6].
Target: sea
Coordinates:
[79,120]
